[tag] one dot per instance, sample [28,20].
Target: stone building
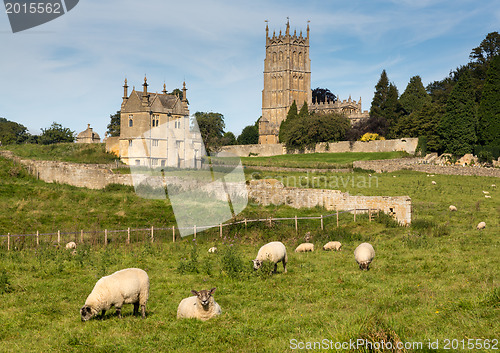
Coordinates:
[155,130]
[287,78]
[88,136]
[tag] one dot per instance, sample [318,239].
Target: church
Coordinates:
[287,78]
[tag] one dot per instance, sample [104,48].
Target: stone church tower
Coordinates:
[287,78]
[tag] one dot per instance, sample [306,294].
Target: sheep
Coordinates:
[433,182]
[71,245]
[275,252]
[128,286]
[307,237]
[305,247]
[333,245]
[213,249]
[487,196]
[364,255]
[453,208]
[486,192]
[201,306]
[493,186]
[481,225]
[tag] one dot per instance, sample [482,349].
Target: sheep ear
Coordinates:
[212,291]
[194,292]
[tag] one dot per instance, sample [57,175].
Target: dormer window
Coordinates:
[130,121]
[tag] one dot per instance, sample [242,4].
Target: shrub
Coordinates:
[371,137]
[231,262]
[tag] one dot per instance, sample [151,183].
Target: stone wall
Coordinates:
[406,144]
[271,191]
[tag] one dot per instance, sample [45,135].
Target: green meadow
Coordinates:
[436,280]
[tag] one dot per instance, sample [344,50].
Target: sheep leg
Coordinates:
[119,312]
[102,314]
[284,266]
[275,267]
[136,308]
[143,311]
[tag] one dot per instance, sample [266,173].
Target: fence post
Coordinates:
[8,241]
[245,224]
[221,230]
[128,235]
[81,236]
[152,234]
[105,237]
[337,218]
[321,222]
[37,238]
[370,214]
[173,234]
[296,225]
[270,221]
[58,237]
[195,231]
[354,214]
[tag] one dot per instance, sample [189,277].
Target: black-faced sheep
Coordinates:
[128,286]
[275,252]
[305,247]
[201,306]
[364,255]
[333,245]
[71,245]
[453,208]
[481,225]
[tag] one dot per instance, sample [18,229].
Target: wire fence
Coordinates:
[130,235]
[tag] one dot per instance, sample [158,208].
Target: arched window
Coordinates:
[130,120]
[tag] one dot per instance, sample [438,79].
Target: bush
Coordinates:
[371,137]
[485,157]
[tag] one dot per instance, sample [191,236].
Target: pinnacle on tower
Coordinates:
[164,88]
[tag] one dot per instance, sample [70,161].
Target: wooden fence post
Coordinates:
[322,222]
[173,234]
[37,238]
[195,231]
[245,224]
[296,225]
[105,237]
[81,236]
[221,230]
[152,234]
[128,235]
[58,237]
[370,214]
[354,214]
[337,218]
[8,241]
[270,221]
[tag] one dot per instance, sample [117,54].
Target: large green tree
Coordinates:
[489,108]
[380,95]
[114,125]
[211,126]
[291,116]
[249,135]
[56,133]
[12,132]
[414,96]
[458,126]
[392,110]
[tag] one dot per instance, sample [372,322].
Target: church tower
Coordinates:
[287,78]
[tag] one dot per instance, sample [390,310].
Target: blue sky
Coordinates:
[71,70]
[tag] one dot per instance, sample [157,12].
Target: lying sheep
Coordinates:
[481,225]
[453,208]
[332,245]
[275,252]
[128,286]
[486,192]
[71,245]
[305,247]
[487,196]
[433,182]
[213,249]
[493,186]
[364,255]
[200,306]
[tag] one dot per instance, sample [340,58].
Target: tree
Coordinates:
[12,132]
[489,48]
[323,95]
[380,96]
[249,135]
[290,117]
[114,125]
[414,96]
[489,108]
[211,126]
[458,126]
[56,133]
[392,110]
[374,124]
[228,139]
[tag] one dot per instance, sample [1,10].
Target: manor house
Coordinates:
[155,130]
[287,78]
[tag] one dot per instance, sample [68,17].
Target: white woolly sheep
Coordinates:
[487,196]
[486,192]
[364,255]
[493,186]
[71,245]
[453,208]
[481,225]
[201,306]
[128,286]
[433,182]
[213,249]
[275,252]
[332,245]
[305,247]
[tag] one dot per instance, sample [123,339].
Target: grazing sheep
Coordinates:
[128,286]
[433,182]
[452,208]
[275,252]
[305,247]
[213,249]
[486,192]
[307,237]
[71,245]
[493,186]
[200,306]
[364,255]
[481,225]
[332,245]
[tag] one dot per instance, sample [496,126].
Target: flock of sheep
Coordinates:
[131,285]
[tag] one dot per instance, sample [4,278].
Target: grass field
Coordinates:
[436,280]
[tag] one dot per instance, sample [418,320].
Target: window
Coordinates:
[155,142]
[130,120]
[137,162]
[162,162]
[129,143]
[155,120]
[154,161]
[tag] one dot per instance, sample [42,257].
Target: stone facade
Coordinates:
[287,78]
[88,136]
[155,130]
[271,191]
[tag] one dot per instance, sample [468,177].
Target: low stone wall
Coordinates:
[271,191]
[392,165]
[406,144]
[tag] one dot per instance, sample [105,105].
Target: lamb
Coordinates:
[305,247]
[333,245]
[275,252]
[453,208]
[128,286]
[213,249]
[487,196]
[364,255]
[71,245]
[433,182]
[486,192]
[200,306]
[481,225]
